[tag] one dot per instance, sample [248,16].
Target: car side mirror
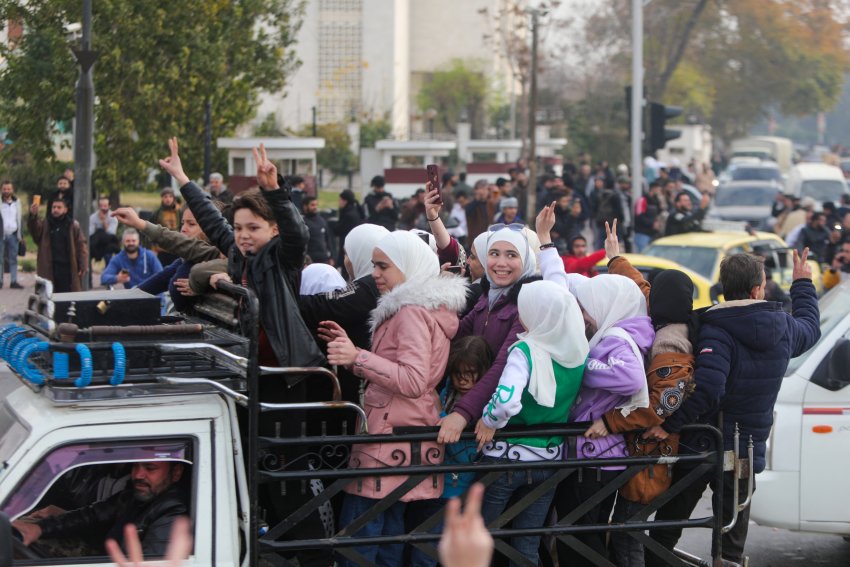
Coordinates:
[714,293]
[5,541]
[839,365]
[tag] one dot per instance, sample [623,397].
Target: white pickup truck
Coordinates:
[806,485]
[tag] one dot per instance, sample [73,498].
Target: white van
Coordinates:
[805,486]
[820,181]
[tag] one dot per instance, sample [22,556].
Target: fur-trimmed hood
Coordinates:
[448,291]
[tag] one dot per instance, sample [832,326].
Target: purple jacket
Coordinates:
[499,327]
[612,375]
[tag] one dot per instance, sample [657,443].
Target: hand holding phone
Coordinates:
[433,172]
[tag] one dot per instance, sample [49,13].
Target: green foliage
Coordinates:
[268,127]
[159,61]
[336,155]
[461,88]
[373,130]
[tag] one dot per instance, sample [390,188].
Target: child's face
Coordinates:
[252,232]
[464,379]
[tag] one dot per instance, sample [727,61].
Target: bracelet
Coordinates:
[433,219]
[545,246]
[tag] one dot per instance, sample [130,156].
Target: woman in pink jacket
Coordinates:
[411,329]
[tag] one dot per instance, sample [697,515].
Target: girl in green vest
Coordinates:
[538,385]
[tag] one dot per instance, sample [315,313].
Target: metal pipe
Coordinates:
[735,488]
[750,476]
[637,104]
[320,405]
[238,397]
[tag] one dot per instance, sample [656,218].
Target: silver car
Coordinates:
[747,202]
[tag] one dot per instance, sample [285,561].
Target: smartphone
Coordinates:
[433,171]
[36,200]
[454,269]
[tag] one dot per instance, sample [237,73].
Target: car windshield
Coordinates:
[822,189]
[699,259]
[834,307]
[756,174]
[13,433]
[745,196]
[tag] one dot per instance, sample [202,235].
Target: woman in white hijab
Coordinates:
[412,326]
[320,278]
[507,258]
[620,334]
[547,362]
[358,247]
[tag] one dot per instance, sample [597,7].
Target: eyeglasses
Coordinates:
[515,226]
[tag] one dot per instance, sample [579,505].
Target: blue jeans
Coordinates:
[516,486]
[389,522]
[9,257]
[641,241]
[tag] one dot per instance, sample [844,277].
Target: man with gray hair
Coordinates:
[218,190]
[133,265]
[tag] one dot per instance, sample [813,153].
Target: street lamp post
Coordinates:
[531,201]
[84,130]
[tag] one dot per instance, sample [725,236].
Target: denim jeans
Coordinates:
[9,257]
[389,522]
[514,487]
[641,241]
[416,513]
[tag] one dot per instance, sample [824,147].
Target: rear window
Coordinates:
[745,196]
[822,189]
[756,174]
[12,433]
[699,259]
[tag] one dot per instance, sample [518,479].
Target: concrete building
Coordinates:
[368,58]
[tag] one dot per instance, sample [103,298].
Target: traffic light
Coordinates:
[657,134]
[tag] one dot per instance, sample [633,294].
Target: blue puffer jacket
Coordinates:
[744,349]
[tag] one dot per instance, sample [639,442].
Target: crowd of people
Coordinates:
[455,314]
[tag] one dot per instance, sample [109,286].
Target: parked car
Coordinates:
[651,266]
[745,201]
[703,251]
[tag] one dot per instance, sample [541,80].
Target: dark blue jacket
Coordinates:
[164,280]
[744,349]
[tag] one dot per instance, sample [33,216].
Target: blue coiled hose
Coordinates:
[28,370]
[86,366]
[9,337]
[15,358]
[120,358]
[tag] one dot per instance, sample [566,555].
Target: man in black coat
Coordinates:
[742,353]
[321,241]
[152,502]
[684,218]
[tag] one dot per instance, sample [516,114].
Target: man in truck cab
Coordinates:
[152,501]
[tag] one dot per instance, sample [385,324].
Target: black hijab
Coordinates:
[671,300]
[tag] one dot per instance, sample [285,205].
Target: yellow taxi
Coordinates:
[703,251]
[650,266]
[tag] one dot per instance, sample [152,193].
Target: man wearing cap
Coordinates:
[684,219]
[509,211]
[133,265]
[151,502]
[170,216]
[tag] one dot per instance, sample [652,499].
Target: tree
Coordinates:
[159,61]
[373,130]
[460,89]
[336,155]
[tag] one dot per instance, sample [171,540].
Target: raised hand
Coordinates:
[544,223]
[433,202]
[802,269]
[466,541]
[179,547]
[172,163]
[266,170]
[612,244]
[128,216]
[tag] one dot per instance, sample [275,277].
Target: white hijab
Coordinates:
[359,244]
[410,254]
[320,278]
[608,299]
[422,234]
[520,242]
[555,333]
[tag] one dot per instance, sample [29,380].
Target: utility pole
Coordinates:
[84,132]
[637,104]
[207,142]
[531,201]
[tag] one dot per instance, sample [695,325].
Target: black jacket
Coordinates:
[274,273]
[741,357]
[319,246]
[350,215]
[680,222]
[152,519]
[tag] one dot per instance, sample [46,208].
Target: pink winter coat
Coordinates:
[412,326]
